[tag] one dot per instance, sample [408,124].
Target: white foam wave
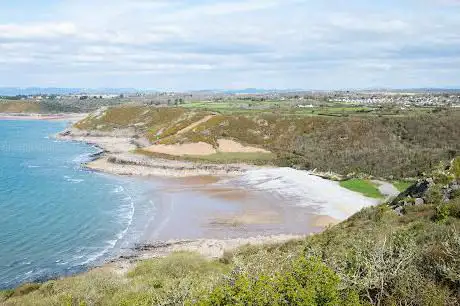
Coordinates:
[328,197]
[127,213]
[82,158]
[119,189]
[73,180]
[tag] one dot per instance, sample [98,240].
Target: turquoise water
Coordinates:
[55,217]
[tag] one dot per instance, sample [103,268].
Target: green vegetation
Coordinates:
[249,158]
[402,185]
[19,107]
[383,146]
[456,167]
[219,158]
[45,107]
[308,282]
[168,281]
[365,187]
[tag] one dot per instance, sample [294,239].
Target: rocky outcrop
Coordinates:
[440,187]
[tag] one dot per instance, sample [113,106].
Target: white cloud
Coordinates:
[37,31]
[203,44]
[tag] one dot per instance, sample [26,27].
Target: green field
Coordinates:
[365,187]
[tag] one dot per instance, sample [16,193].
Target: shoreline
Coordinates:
[210,249]
[116,157]
[71,117]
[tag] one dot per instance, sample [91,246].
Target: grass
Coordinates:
[218,158]
[365,187]
[19,107]
[166,281]
[402,185]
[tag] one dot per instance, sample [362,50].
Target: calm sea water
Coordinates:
[55,217]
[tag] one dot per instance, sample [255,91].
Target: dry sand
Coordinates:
[203,149]
[193,149]
[231,146]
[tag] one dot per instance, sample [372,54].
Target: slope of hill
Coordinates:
[43,107]
[385,146]
[19,107]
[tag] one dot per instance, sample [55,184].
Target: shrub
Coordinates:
[456,167]
[434,195]
[442,213]
[25,289]
[309,282]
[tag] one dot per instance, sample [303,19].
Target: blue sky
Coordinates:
[202,44]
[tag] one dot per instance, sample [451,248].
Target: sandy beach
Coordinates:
[209,208]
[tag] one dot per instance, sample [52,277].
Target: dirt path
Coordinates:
[194,125]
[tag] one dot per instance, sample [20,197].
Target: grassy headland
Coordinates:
[399,146]
[43,107]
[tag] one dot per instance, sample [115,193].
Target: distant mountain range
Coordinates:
[15,91]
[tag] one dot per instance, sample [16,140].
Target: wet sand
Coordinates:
[202,208]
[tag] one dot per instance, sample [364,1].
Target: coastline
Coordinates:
[271,215]
[116,158]
[71,117]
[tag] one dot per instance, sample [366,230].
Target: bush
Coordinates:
[456,167]
[25,289]
[442,213]
[309,282]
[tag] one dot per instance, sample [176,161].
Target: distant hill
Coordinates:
[14,91]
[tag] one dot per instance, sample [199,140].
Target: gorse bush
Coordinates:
[308,282]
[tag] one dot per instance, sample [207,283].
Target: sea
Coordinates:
[57,218]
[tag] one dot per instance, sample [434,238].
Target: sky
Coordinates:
[223,44]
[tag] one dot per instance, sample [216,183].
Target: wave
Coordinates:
[304,189]
[72,180]
[111,244]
